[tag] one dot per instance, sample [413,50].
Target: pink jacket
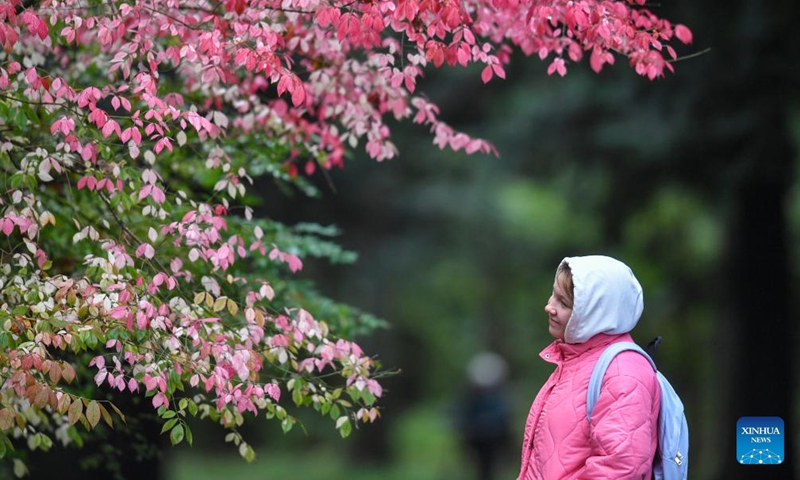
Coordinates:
[620,442]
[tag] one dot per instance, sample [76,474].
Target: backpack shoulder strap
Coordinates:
[601,366]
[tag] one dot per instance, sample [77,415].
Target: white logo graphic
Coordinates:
[760,456]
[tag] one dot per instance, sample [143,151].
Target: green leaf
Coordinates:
[75,436]
[345,428]
[176,435]
[249,454]
[35,441]
[170,423]
[20,470]
[46,442]
[368,397]
[297,396]
[287,424]
[335,413]
[280,413]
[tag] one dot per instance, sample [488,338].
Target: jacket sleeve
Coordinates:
[623,430]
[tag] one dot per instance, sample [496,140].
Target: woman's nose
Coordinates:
[548,307]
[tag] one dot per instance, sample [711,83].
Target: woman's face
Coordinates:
[558,309]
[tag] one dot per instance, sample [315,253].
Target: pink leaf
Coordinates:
[160,399]
[294,262]
[158,195]
[683,33]
[88,152]
[145,250]
[557,67]
[283,84]
[397,79]
[145,192]
[100,377]
[671,52]
[118,312]
[298,95]
[99,361]
[8,226]
[486,74]
[498,70]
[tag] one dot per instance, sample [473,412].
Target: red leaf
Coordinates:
[235,6]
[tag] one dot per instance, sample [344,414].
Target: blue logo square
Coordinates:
[759,441]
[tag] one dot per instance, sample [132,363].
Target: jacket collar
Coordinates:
[560,351]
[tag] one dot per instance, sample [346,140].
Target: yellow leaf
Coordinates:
[67,372]
[200,298]
[75,412]
[106,416]
[93,413]
[55,372]
[42,397]
[63,404]
[6,419]
[219,304]
[232,307]
[118,411]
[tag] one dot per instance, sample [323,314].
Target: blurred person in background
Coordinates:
[483,413]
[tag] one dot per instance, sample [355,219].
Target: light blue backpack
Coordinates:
[672,457]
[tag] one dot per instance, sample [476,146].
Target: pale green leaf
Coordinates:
[176,435]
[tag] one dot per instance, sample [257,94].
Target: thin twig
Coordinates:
[691,55]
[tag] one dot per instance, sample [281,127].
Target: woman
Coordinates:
[596,301]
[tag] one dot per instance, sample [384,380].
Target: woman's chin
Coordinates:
[556,331]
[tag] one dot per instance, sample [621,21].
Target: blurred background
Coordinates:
[691,180]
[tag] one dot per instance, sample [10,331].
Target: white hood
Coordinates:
[608,298]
